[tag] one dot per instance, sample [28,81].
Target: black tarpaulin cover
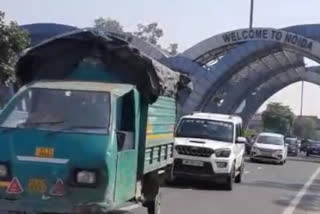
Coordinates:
[55,58]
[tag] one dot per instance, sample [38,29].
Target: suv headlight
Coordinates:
[86,177]
[3,171]
[223,153]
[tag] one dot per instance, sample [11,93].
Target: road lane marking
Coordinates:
[246,172]
[259,168]
[131,207]
[295,202]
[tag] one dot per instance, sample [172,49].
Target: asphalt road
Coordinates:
[266,189]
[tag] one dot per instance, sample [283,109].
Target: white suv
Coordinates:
[269,147]
[210,147]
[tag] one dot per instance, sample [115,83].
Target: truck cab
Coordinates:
[209,147]
[89,130]
[80,135]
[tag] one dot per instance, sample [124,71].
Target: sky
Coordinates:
[185,22]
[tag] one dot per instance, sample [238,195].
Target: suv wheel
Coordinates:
[230,179]
[238,177]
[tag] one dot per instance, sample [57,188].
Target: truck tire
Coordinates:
[154,206]
[151,192]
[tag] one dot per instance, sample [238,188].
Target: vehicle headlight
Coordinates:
[3,171]
[86,177]
[223,153]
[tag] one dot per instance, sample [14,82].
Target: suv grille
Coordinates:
[194,151]
[266,150]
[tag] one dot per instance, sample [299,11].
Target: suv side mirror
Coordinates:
[241,140]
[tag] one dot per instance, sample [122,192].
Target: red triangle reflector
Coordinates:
[14,187]
[58,189]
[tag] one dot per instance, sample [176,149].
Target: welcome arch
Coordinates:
[300,40]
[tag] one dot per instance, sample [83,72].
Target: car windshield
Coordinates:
[207,129]
[315,143]
[274,140]
[291,142]
[60,110]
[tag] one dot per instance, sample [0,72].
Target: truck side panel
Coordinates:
[159,136]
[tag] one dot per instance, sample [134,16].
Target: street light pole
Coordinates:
[251,14]
[301,100]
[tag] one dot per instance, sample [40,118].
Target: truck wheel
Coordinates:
[154,206]
[151,192]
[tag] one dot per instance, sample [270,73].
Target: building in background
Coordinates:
[256,123]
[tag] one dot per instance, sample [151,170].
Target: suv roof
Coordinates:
[213,116]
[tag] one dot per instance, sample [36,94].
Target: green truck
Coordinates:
[89,130]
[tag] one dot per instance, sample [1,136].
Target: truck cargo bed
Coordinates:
[160,134]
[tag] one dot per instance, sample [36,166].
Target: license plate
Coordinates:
[37,185]
[44,152]
[192,163]
[267,153]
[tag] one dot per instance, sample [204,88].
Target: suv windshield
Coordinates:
[207,129]
[60,110]
[274,140]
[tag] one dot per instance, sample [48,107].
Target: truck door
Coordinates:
[128,111]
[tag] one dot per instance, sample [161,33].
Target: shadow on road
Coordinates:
[312,159]
[309,202]
[119,212]
[314,188]
[300,158]
[273,184]
[196,185]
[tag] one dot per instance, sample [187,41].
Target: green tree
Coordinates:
[150,32]
[12,41]
[173,49]
[105,25]
[278,118]
[305,128]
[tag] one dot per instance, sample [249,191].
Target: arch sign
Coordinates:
[270,35]
[289,39]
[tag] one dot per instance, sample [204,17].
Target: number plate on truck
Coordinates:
[37,185]
[44,152]
[192,162]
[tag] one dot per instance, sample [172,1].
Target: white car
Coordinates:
[209,147]
[269,147]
